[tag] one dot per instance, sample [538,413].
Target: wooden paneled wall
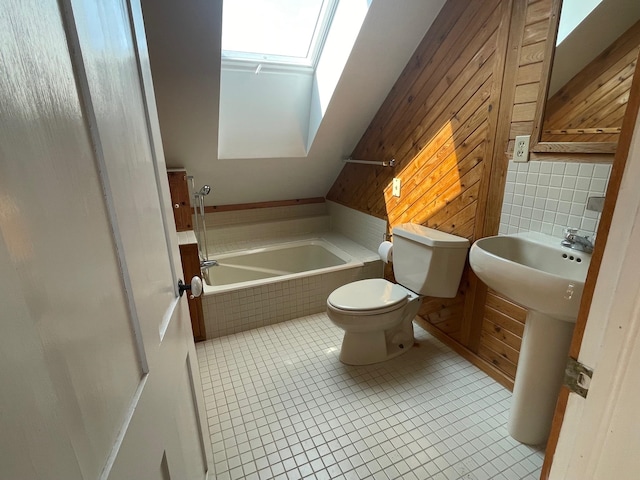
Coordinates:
[439,122]
[528,75]
[450,122]
[596,98]
[502,320]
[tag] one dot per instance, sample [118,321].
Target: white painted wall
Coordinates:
[184,44]
[263,115]
[345,28]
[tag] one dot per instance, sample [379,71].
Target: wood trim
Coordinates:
[536,144]
[556,425]
[495,172]
[250,206]
[574,147]
[584,131]
[180,201]
[190,268]
[547,63]
[467,354]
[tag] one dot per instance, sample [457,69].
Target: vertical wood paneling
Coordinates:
[530,65]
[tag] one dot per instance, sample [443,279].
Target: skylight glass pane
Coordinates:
[283,28]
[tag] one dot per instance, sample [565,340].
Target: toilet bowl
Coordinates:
[377,318]
[376,314]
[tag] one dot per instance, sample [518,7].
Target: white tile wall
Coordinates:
[252,307]
[364,229]
[547,197]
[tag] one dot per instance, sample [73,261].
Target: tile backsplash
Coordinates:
[547,197]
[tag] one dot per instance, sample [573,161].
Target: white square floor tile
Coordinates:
[280,405]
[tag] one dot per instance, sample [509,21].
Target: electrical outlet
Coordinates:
[521,150]
[395,187]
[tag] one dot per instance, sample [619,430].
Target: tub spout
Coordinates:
[205,264]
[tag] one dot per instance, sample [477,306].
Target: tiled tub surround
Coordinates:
[547,197]
[236,229]
[281,405]
[276,300]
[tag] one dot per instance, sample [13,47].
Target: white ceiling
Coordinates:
[184,46]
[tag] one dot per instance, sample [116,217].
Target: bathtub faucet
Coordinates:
[205,264]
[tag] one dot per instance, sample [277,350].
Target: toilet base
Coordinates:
[366,348]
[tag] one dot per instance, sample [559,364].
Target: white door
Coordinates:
[600,435]
[98,375]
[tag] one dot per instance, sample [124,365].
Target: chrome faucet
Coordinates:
[575,241]
[206,264]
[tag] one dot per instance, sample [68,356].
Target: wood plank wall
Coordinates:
[532,47]
[439,123]
[502,320]
[597,96]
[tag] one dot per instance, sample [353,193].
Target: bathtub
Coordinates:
[274,283]
[275,263]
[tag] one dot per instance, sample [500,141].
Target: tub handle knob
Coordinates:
[195,287]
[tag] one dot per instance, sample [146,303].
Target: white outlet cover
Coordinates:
[521,148]
[395,187]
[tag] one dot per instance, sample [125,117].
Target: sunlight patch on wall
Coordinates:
[430,181]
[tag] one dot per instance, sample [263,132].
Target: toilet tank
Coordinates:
[427,261]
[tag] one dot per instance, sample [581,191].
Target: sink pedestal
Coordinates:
[543,356]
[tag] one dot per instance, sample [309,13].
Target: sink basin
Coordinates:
[533,270]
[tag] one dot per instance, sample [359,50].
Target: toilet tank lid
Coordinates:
[429,236]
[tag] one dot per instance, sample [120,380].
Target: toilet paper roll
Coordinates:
[385,250]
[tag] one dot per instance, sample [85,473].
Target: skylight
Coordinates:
[289,32]
[573,13]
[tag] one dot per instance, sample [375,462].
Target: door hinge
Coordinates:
[577,377]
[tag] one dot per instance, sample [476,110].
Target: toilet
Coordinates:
[377,315]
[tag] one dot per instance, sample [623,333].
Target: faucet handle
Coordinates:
[569,231]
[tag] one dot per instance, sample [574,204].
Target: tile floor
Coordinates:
[281,405]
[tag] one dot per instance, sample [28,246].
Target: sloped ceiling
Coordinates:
[184,47]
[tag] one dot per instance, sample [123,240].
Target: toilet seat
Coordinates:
[368,297]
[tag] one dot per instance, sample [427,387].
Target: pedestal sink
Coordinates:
[535,271]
